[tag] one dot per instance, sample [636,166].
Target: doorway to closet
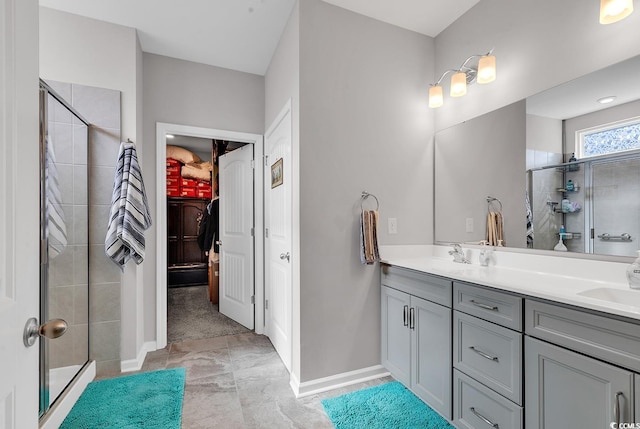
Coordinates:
[191,270]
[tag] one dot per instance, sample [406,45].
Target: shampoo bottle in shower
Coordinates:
[633,273]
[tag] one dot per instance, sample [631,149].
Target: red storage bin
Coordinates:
[173,162]
[188,192]
[173,182]
[173,191]
[189,183]
[204,194]
[173,171]
[202,184]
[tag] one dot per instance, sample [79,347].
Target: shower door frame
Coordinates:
[45,90]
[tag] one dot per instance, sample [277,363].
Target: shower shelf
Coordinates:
[571,235]
[576,189]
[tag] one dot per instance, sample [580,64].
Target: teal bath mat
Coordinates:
[387,406]
[145,400]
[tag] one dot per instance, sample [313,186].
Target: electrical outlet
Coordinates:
[469,224]
[393,225]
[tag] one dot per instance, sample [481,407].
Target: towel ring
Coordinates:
[490,200]
[364,197]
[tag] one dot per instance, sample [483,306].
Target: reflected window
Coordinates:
[608,139]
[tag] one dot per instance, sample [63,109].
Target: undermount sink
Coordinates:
[618,296]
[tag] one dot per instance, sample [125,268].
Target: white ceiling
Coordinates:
[427,17]
[243,34]
[579,96]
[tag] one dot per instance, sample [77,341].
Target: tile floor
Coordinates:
[239,381]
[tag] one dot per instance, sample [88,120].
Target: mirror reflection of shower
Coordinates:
[64,265]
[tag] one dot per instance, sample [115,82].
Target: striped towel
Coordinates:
[56,228]
[369,237]
[129,216]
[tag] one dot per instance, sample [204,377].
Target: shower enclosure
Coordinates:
[596,199]
[64,250]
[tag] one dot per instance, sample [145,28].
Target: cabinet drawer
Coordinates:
[489,353]
[426,286]
[611,340]
[477,406]
[496,307]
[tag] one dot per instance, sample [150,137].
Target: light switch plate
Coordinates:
[393,225]
[469,224]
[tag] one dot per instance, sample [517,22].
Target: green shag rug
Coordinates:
[387,406]
[145,400]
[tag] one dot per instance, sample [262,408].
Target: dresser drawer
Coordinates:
[477,407]
[611,340]
[426,286]
[489,353]
[497,307]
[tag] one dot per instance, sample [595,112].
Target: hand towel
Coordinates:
[129,216]
[369,252]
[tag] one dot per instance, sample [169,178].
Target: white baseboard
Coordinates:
[136,364]
[56,415]
[312,387]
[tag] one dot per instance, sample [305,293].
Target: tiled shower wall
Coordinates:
[101,107]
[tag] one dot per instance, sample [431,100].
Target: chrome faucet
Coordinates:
[458,254]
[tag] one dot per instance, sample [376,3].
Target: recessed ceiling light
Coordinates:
[170,136]
[605,100]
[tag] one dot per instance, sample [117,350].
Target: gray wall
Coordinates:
[538,44]
[364,125]
[281,83]
[187,93]
[482,157]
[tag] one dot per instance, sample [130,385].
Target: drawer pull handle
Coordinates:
[485,306]
[484,419]
[616,407]
[404,315]
[484,355]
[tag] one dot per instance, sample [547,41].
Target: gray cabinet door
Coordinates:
[396,336]
[430,327]
[564,389]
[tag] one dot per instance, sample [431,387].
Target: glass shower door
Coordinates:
[615,199]
[64,278]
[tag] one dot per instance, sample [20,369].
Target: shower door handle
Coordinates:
[54,328]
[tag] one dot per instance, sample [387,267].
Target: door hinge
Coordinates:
[266,160]
[252,231]
[266,233]
[253,299]
[593,233]
[266,304]
[253,163]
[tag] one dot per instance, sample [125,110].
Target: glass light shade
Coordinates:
[614,10]
[435,96]
[459,84]
[486,69]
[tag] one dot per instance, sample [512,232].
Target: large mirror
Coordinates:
[557,171]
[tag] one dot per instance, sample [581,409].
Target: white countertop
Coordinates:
[592,284]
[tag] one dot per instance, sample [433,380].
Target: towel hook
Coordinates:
[364,197]
[490,200]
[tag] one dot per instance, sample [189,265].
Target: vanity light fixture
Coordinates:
[485,72]
[614,10]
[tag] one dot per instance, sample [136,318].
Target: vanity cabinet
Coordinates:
[487,358]
[567,389]
[580,370]
[416,334]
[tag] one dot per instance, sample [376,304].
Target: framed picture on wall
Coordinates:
[276,174]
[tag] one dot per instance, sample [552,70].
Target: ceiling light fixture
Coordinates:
[484,72]
[614,10]
[605,100]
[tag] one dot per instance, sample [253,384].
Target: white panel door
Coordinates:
[19,211]
[278,233]
[236,224]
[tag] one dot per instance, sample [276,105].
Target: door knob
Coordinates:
[219,242]
[54,328]
[286,256]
